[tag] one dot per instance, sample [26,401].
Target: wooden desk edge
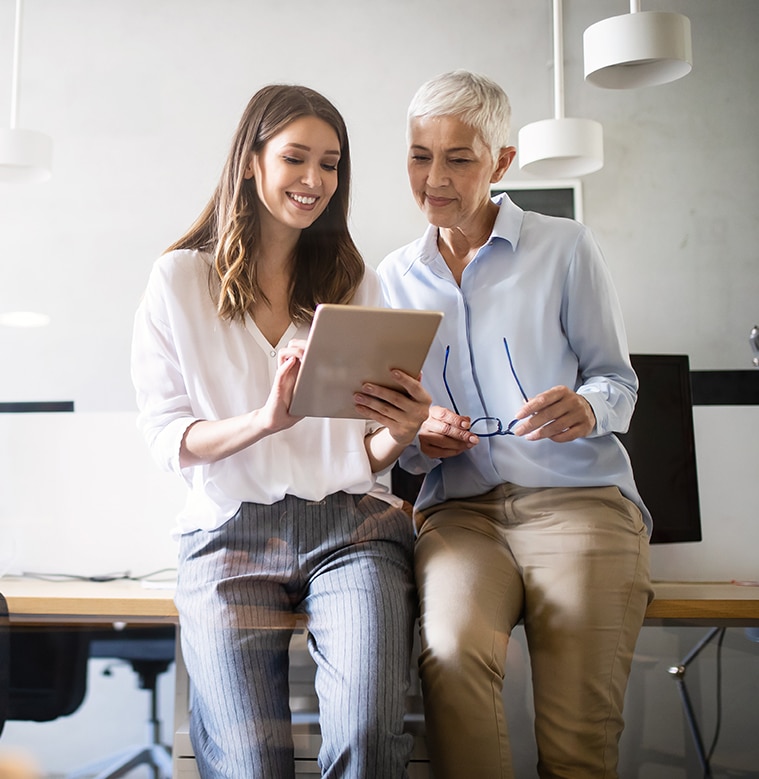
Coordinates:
[703,603]
[32,601]
[714,603]
[77,611]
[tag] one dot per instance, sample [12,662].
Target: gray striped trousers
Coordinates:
[345,563]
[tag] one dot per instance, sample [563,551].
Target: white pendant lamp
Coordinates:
[560,147]
[24,319]
[25,155]
[639,49]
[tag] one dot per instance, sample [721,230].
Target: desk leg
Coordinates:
[678,674]
[184,766]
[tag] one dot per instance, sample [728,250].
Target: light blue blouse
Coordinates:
[541,283]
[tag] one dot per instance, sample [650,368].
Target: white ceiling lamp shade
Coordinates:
[560,147]
[25,155]
[24,319]
[639,49]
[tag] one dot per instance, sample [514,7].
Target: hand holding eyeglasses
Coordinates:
[559,414]
[445,433]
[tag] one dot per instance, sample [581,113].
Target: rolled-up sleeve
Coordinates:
[165,411]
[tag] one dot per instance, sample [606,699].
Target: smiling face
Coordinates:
[451,169]
[296,173]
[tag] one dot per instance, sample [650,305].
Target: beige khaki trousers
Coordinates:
[573,563]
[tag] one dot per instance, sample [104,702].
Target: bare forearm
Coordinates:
[207,441]
[382,449]
[401,414]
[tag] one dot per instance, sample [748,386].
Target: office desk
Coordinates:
[83,603]
[704,603]
[33,601]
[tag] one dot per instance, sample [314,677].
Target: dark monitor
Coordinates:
[662,449]
[552,199]
[36,407]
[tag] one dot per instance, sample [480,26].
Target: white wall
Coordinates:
[141,99]
[726,461]
[82,496]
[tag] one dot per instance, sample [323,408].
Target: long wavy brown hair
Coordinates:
[327,266]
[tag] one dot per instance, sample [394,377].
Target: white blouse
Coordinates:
[188,364]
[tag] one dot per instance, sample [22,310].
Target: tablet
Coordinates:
[350,345]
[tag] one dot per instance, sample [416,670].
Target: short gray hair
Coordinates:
[476,99]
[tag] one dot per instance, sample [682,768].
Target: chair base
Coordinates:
[156,756]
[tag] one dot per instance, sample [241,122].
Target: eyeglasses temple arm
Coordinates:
[445,380]
[513,373]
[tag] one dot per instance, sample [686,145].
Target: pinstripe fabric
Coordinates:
[345,563]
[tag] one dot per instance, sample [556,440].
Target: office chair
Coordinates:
[150,652]
[4,661]
[43,672]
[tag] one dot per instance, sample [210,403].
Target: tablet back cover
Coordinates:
[349,345]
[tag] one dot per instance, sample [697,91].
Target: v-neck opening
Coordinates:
[263,341]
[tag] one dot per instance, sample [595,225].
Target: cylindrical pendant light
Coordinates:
[24,319]
[25,155]
[638,49]
[560,147]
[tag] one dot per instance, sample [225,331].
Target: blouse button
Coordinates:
[272,353]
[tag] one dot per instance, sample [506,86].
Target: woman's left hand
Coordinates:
[559,414]
[402,413]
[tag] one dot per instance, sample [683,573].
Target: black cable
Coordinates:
[718,723]
[104,577]
[56,577]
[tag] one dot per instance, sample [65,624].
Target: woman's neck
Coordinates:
[274,268]
[276,247]
[460,244]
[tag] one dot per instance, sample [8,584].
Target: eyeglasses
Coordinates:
[488,426]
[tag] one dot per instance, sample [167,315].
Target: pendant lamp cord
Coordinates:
[558,60]
[16,66]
